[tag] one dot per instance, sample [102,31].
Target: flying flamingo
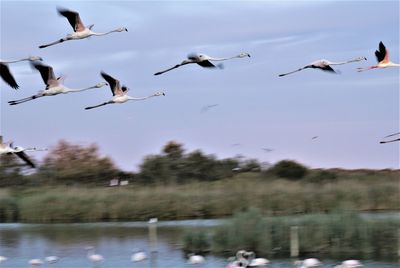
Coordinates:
[202,60]
[8,148]
[120,92]
[93,257]
[54,85]
[391,135]
[80,30]
[382,56]
[325,65]
[349,264]
[6,74]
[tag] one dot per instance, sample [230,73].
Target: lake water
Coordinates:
[115,241]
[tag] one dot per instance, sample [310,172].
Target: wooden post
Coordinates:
[294,241]
[153,234]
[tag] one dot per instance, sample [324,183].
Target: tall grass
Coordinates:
[271,196]
[339,235]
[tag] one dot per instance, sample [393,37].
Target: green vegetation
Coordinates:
[340,235]
[70,186]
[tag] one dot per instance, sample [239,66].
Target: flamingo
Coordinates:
[349,264]
[325,65]
[257,262]
[138,256]
[54,85]
[35,262]
[240,261]
[93,257]
[267,150]
[308,263]
[203,60]
[51,259]
[208,107]
[8,148]
[391,135]
[3,259]
[6,74]
[80,30]
[196,259]
[120,92]
[382,56]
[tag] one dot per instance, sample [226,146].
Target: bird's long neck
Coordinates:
[221,59]
[141,98]
[79,89]
[100,34]
[345,62]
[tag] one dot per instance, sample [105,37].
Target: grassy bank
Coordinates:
[356,190]
[337,235]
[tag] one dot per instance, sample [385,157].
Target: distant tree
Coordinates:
[70,164]
[173,150]
[155,168]
[11,171]
[289,169]
[250,165]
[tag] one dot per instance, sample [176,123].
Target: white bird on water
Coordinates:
[382,56]
[52,259]
[203,60]
[120,92]
[54,85]
[6,74]
[349,264]
[35,262]
[80,30]
[325,65]
[3,259]
[8,148]
[308,263]
[93,257]
[138,256]
[196,259]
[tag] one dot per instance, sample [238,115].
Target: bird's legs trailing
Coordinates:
[54,43]
[15,102]
[105,103]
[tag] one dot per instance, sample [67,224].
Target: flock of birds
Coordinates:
[243,259]
[54,84]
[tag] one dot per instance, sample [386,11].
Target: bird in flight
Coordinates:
[53,84]
[382,56]
[80,30]
[391,135]
[120,92]
[208,107]
[315,137]
[267,150]
[203,60]
[9,148]
[6,74]
[324,65]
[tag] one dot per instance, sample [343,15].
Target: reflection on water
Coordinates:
[115,241]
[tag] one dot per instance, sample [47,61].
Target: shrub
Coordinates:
[289,170]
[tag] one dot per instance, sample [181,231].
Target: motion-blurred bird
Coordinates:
[80,30]
[324,65]
[6,74]
[203,60]
[382,56]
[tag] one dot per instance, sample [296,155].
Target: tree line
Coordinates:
[72,164]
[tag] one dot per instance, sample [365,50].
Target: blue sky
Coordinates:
[349,112]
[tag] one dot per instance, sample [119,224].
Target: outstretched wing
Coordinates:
[114,84]
[382,55]
[73,18]
[46,72]
[206,64]
[327,68]
[24,157]
[7,76]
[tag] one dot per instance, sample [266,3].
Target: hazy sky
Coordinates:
[349,112]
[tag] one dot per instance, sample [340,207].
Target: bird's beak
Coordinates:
[126,29]
[248,55]
[163,94]
[40,58]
